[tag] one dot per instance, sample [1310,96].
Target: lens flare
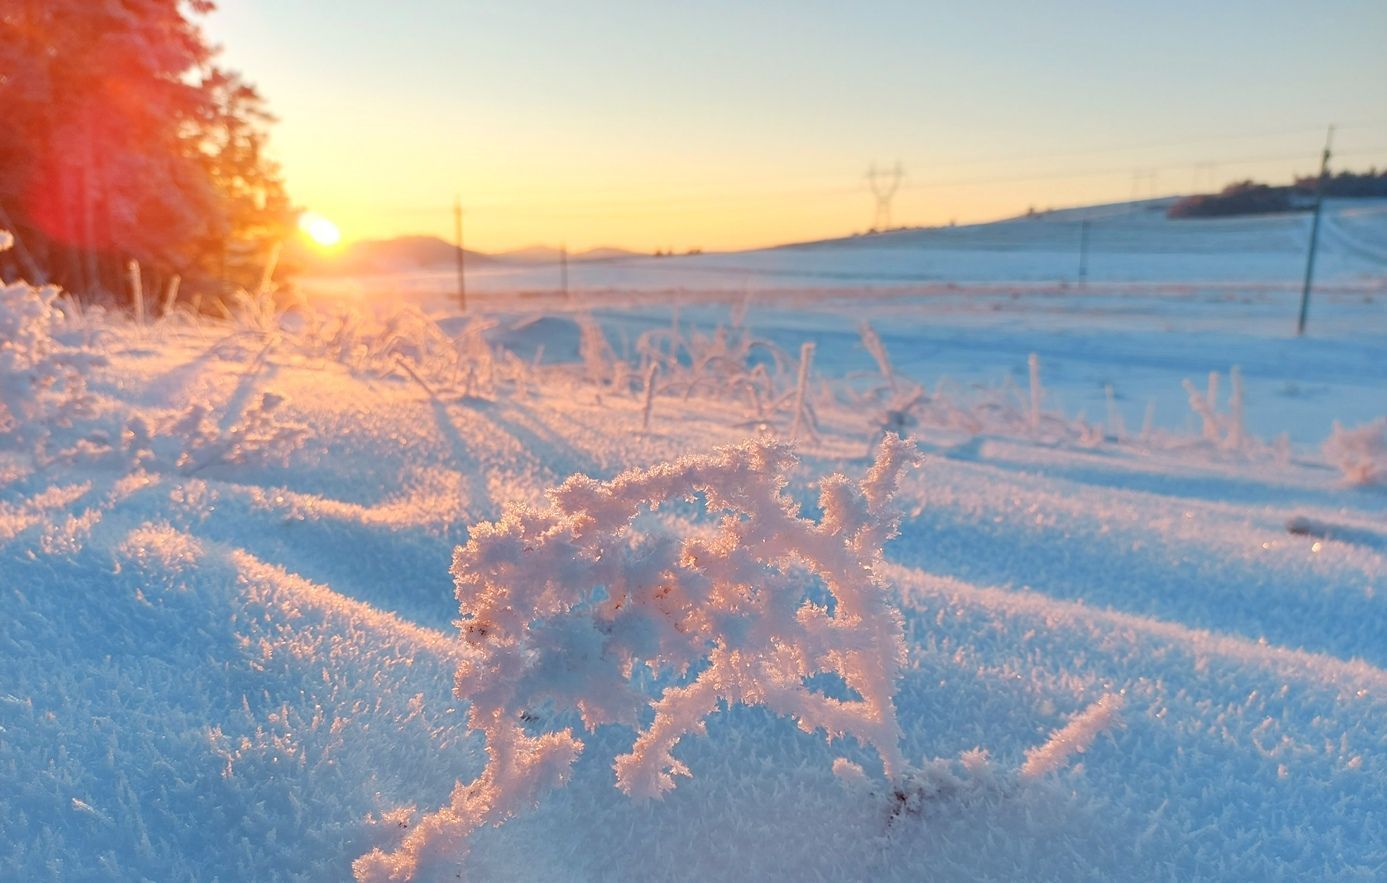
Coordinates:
[319,229]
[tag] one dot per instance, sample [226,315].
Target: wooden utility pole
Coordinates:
[1314,234]
[563,269]
[457,236]
[1083,252]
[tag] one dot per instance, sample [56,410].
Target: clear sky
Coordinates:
[722,124]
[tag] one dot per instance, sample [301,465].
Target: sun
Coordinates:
[319,229]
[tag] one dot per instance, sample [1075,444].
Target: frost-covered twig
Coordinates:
[803,418]
[171,296]
[651,375]
[423,384]
[1074,737]
[872,341]
[137,293]
[1236,424]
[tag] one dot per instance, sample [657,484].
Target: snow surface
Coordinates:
[1132,649]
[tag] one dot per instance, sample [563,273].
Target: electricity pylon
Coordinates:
[884,184]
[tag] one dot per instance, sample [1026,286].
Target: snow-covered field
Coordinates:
[1143,623]
[1126,243]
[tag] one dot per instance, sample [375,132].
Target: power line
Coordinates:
[635,205]
[1148,145]
[1144,172]
[500,202]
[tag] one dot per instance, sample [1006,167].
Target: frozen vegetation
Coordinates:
[992,581]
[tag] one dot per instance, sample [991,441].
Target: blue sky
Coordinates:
[723,124]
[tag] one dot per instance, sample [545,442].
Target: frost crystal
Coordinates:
[563,606]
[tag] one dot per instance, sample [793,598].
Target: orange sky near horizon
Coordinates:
[731,212]
[726,126]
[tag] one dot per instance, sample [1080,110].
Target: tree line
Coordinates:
[1253,198]
[122,139]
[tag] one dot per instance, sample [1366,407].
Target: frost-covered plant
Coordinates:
[901,405]
[1359,453]
[193,440]
[976,411]
[1009,411]
[477,366]
[408,343]
[802,412]
[259,435]
[581,605]
[41,375]
[257,312]
[375,345]
[1225,430]
[594,349]
[729,363]
[872,342]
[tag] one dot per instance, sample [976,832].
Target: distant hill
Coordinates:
[545,254]
[401,254]
[406,254]
[608,253]
[530,254]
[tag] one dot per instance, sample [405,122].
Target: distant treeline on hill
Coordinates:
[1252,198]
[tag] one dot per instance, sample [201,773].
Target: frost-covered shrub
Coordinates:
[728,363]
[583,605]
[595,350]
[1008,411]
[192,440]
[259,435]
[41,382]
[406,342]
[897,406]
[1221,429]
[1359,453]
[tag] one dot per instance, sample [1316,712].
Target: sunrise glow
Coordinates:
[319,229]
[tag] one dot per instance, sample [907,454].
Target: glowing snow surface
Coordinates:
[228,648]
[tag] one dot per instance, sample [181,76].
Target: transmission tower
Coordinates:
[884,184]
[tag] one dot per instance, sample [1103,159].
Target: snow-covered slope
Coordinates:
[228,643]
